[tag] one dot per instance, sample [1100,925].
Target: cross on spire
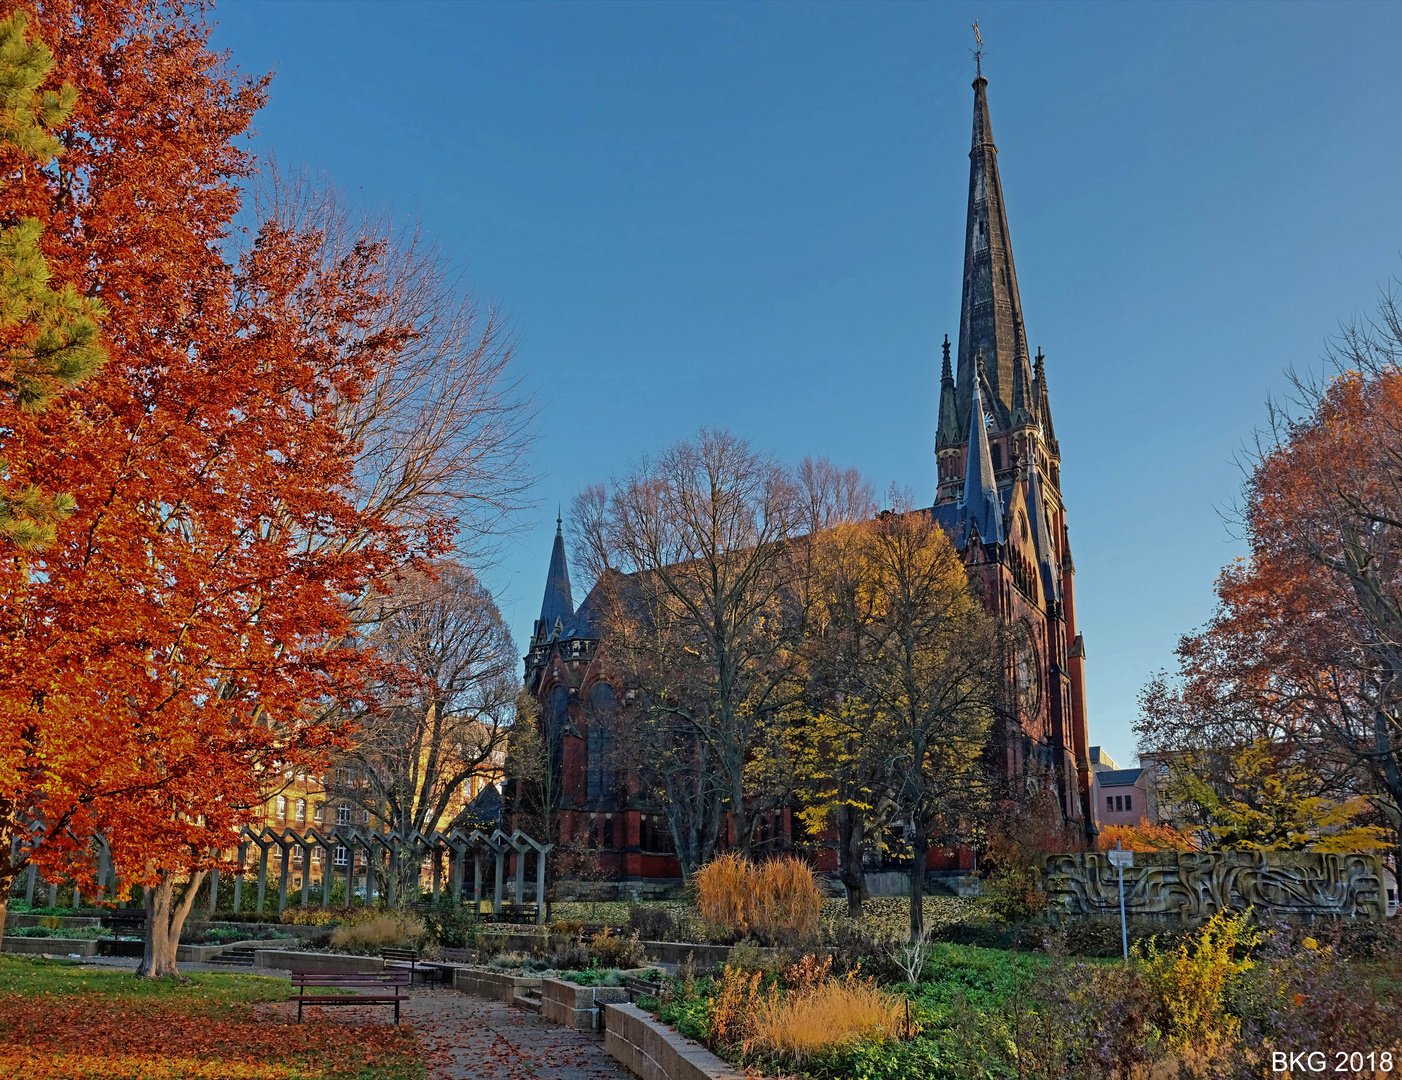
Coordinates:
[978,52]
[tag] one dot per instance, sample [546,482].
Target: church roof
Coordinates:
[558,603]
[982,507]
[1047,562]
[1118,777]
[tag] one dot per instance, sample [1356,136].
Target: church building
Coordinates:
[997,496]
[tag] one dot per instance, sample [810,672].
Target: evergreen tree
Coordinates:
[48,336]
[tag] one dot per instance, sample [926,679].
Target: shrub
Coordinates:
[1014,893]
[323,916]
[571,955]
[385,930]
[613,951]
[568,927]
[651,923]
[1189,985]
[777,901]
[450,924]
[732,1010]
[854,948]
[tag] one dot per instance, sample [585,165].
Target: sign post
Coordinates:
[1120,859]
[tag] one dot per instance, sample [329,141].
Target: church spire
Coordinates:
[947,432]
[990,319]
[983,508]
[558,605]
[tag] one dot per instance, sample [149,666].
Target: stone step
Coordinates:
[234,958]
[530,1000]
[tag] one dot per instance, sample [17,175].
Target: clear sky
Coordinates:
[751,216]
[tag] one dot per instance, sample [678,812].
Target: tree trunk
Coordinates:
[921,845]
[850,834]
[165,919]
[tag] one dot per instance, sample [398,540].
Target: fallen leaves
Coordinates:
[88,1037]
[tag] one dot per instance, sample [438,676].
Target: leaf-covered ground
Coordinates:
[64,1022]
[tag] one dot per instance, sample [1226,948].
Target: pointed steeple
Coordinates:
[990,318]
[947,433]
[558,606]
[983,508]
[1044,406]
[1047,562]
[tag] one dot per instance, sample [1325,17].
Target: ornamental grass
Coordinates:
[389,930]
[776,901]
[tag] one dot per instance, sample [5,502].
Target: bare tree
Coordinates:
[440,714]
[445,429]
[703,608]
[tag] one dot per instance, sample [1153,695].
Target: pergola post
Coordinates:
[476,881]
[437,872]
[104,864]
[306,872]
[29,886]
[540,888]
[328,873]
[520,890]
[262,876]
[282,884]
[496,896]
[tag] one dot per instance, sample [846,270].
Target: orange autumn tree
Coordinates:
[1304,653]
[179,645]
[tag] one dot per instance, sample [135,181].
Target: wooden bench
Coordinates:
[377,984]
[399,957]
[449,959]
[130,921]
[519,913]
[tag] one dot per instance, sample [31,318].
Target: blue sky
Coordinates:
[751,216]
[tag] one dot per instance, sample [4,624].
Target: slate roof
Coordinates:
[981,505]
[1118,777]
[558,602]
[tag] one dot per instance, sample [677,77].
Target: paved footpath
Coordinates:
[472,1038]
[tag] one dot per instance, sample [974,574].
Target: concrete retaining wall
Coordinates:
[671,952]
[496,985]
[67,922]
[653,1051]
[59,946]
[575,1006]
[288,960]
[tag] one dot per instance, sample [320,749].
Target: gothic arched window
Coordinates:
[603,711]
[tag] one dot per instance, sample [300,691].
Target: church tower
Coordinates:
[998,492]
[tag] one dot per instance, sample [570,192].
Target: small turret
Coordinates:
[1044,406]
[947,433]
[558,606]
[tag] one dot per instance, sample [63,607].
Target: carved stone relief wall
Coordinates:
[1193,886]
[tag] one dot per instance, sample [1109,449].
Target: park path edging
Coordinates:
[653,1051]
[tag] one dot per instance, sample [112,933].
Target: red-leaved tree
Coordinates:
[176,650]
